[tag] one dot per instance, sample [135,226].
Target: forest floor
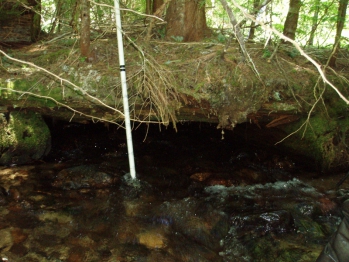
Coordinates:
[164,77]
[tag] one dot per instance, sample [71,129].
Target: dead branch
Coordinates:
[296,45]
[128,10]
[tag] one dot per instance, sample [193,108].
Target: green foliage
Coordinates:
[221,38]
[266,53]
[293,53]
[202,3]
[274,14]
[279,27]
[324,22]
[161,32]
[177,38]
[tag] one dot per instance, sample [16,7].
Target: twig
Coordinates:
[58,37]
[297,46]
[157,13]
[63,80]
[307,121]
[340,182]
[60,104]
[240,38]
[129,10]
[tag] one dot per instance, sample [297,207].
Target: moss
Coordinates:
[23,85]
[316,142]
[52,57]
[23,137]
[336,107]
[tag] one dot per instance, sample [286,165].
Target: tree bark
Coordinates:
[342,10]
[253,23]
[85,28]
[148,8]
[156,5]
[186,20]
[159,12]
[291,22]
[257,7]
[36,25]
[57,17]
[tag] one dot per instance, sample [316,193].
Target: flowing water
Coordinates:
[198,197]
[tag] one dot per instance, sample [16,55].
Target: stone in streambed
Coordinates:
[152,239]
[85,176]
[6,240]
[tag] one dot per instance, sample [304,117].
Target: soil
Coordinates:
[164,77]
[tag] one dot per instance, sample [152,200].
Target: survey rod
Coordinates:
[131,158]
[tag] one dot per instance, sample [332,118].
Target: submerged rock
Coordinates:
[85,176]
[6,240]
[196,220]
[153,238]
[279,221]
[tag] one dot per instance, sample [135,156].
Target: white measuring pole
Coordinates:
[131,158]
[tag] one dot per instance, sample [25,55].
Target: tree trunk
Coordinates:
[315,22]
[342,10]
[159,12]
[156,5]
[291,22]
[85,28]
[186,20]
[253,23]
[148,4]
[152,6]
[36,25]
[57,17]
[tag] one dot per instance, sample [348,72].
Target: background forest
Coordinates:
[310,23]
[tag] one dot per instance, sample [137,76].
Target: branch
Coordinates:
[239,37]
[63,80]
[160,92]
[129,10]
[296,45]
[157,13]
[62,105]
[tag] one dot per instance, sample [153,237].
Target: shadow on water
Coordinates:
[199,198]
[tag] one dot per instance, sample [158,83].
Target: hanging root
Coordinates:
[154,90]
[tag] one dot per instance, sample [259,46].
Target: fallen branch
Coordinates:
[297,46]
[63,80]
[240,37]
[129,10]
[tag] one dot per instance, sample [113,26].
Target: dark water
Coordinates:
[198,197]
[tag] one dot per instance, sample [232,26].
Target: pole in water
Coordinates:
[131,159]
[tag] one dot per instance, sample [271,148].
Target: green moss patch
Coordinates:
[23,137]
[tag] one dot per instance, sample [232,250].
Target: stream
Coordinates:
[200,195]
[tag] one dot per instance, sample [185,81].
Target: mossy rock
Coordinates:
[323,142]
[24,137]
